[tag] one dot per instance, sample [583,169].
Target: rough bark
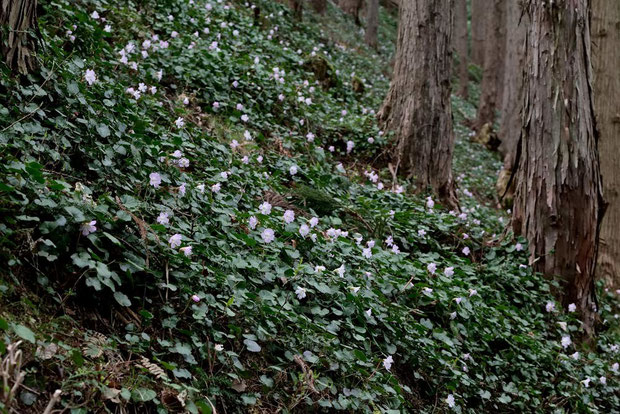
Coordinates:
[516,24]
[417,106]
[479,17]
[558,204]
[372,23]
[18,21]
[297,8]
[606,62]
[460,37]
[319,6]
[353,8]
[492,73]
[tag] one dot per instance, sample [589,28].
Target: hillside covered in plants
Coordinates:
[198,215]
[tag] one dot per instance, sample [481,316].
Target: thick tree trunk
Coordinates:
[18,19]
[297,7]
[352,7]
[479,18]
[417,107]
[516,23]
[372,23]
[606,61]
[460,42]
[319,6]
[559,205]
[493,64]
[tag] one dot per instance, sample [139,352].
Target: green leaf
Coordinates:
[103,130]
[24,333]
[122,299]
[142,394]
[252,345]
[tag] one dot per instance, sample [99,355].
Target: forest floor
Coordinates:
[197,216]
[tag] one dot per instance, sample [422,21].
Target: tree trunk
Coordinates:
[18,19]
[516,24]
[352,7]
[417,106]
[559,204]
[372,23]
[460,37]
[297,7]
[479,17]
[493,63]
[606,57]
[319,6]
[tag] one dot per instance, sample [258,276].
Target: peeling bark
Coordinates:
[558,204]
[606,62]
[417,106]
[18,21]
[516,23]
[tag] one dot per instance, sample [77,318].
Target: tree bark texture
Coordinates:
[319,6]
[372,23]
[559,204]
[516,23]
[606,62]
[493,68]
[460,36]
[297,8]
[18,19]
[479,17]
[353,8]
[417,106]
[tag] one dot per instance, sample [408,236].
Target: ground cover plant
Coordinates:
[197,215]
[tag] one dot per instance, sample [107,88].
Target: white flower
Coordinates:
[300,292]
[201,188]
[163,218]
[429,202]
[466,251]
[350,145]
[293,170]
[219,347]
[367,252]
[107,28]
[389,241]
[289,216]
[586,382]
[472,292]
[187,250]
[268,235]
[575,356]
[432,267]
[155,179]
[615,367]
[179,122]
[458,300]
[518,247]
[89,227]
[453,315]
[427,291]
[215,188]
[369,312]
[550,306]
[449,271]
[90,76]
[314,221]
[183,163]
[182,189]
[247,135]
[245,118]
[395,249]
[421,232]
[387,362]
[603,380]
[341,270]
[175,240]
[319,269]
[265,208]
[572,307]
[234,144]
[566,341]
[253,222]
[450,400]
[95,15]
